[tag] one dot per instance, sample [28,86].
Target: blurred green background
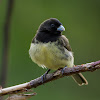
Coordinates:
[81,18]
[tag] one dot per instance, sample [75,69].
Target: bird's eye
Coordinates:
[52,25]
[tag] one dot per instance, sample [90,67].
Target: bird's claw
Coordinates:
[62,71]
[43,77]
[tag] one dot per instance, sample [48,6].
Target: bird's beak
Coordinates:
[61,28]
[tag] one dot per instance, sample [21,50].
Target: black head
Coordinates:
[51,26]
[49,30]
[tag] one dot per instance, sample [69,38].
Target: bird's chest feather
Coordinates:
[49,55]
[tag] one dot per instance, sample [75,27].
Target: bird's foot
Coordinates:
[44,75]
[62,71]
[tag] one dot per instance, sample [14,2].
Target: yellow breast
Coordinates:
[49,55]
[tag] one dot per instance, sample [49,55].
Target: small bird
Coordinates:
[50,49]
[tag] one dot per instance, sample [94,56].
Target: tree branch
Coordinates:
[50,77]
[6,38]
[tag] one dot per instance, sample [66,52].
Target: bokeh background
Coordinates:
[81,18]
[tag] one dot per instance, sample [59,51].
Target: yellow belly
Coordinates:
[50,56]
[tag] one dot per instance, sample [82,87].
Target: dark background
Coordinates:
[81,18]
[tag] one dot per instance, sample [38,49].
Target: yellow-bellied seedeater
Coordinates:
[50,49]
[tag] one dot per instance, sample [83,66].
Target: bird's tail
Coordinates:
[80,79]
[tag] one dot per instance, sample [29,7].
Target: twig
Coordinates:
[20,96]
[6,36]
[50,77]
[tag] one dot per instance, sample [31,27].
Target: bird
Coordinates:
[50,49]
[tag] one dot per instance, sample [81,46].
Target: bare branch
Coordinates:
[20,96]
[6,38]
[50,77]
